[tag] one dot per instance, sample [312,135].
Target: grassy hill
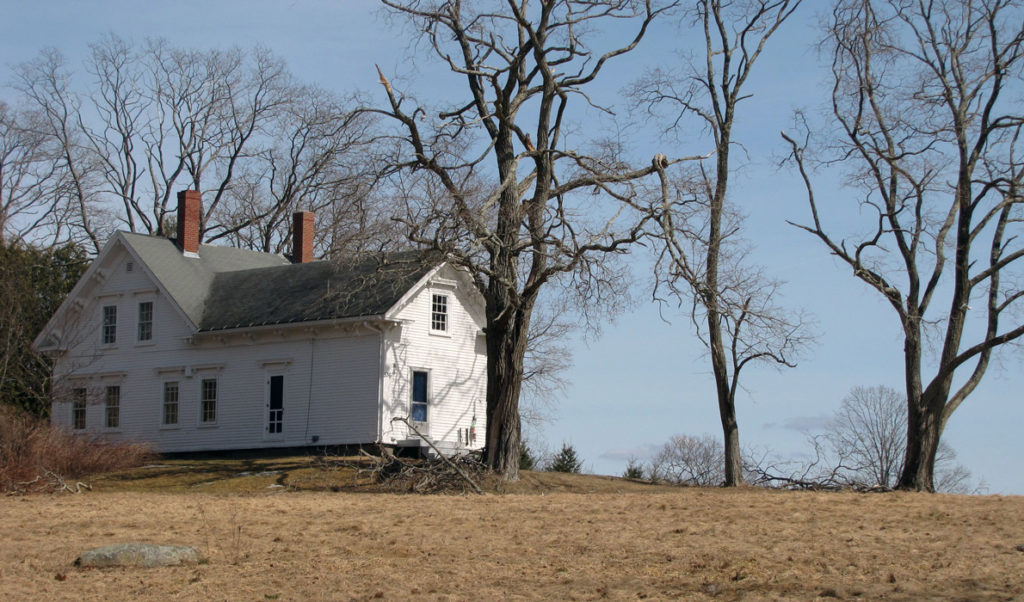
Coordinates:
[276,529]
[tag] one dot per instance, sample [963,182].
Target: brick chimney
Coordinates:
[189,211]
[302,237]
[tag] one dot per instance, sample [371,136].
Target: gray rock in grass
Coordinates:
[138,555]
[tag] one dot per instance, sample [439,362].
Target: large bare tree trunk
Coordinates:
[731,439]
[506,347]
[922,444]
[925,422]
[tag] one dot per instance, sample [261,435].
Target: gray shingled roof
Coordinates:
[234,288]
[321,290]
[188,279]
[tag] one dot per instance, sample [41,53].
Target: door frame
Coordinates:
[267,392]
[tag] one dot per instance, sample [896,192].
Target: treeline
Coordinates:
[86,150]
[33,284]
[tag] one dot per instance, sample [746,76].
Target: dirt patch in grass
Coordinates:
[679,544]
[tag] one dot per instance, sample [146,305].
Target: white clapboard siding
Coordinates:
[456,362]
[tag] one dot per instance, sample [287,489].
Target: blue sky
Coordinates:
[643,379]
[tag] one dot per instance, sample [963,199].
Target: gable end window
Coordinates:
[439,313]
[113,406]
[78,409]
[170,404]
[208,408]
[146,321]
[109,324]
[418,407]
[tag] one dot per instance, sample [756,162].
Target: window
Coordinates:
[113,406]
[419,396]
[78,398]
[439,313]
[146,321]
[208,409]
[109,324]
[170,403]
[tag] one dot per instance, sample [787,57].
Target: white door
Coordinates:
[275,407]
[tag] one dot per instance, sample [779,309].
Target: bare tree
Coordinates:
[870,429]
[29,178]
[689,460]
[868,433]
[211,109]
[493,181]
[702,258]
[929,136]
[154,119]
[316,161]
[44,82]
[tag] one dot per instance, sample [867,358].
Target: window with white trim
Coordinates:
[418,404]
[78,400]
[146,321]
[439,313]
[208,404]
[170,403]
[113,408]
[109,324]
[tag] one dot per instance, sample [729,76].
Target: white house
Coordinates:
[196,347]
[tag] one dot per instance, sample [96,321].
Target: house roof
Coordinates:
[320,290]
[188,280]
[227,288]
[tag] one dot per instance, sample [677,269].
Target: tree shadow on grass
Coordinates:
[260,471]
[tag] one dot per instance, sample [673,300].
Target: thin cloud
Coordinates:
[802,424]
[637,452]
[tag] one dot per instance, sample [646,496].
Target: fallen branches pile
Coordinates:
[817,474]
[458,474]
[47,482]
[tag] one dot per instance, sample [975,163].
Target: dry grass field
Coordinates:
[565,538]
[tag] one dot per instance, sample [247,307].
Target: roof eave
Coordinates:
[412,290]
[39,343]
[257,328]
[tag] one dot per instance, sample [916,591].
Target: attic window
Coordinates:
[439,313]
[129,266]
